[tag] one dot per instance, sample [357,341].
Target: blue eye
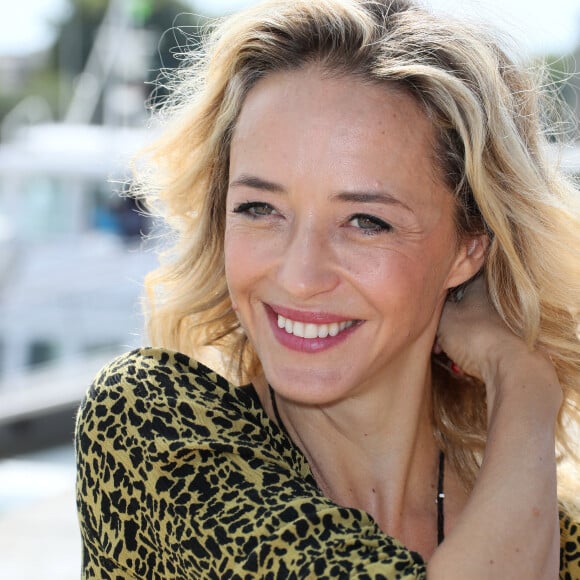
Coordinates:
[254,209]
[369,224]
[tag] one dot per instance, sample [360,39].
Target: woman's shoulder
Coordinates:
[145,361]
[157,372]
[159,387]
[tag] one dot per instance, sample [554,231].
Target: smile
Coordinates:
[310,330]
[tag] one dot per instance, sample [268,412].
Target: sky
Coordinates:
[539,26]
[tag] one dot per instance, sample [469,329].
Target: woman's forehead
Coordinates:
[306,121]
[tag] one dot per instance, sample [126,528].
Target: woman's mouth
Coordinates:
[310,330]
[313,332]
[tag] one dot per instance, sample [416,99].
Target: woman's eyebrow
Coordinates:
[383,197]
[257,183]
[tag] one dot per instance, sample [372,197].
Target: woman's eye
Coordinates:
[369,224]
[255,209]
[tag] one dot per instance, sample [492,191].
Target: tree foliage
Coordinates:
[160,17]
[75,35]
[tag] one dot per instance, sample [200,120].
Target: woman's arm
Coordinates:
[509,528]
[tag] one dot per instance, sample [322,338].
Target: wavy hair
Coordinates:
[491,145]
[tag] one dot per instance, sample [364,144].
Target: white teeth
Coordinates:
[309,330]
[323,331]
[298,329]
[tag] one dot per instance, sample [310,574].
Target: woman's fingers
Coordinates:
[473,335]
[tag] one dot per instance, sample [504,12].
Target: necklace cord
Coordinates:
[441,499]
[276,412]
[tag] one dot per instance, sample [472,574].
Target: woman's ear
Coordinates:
[469,260]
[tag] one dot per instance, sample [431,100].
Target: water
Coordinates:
[35,477]
[39,537]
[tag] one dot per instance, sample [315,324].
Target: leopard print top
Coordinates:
[182,475]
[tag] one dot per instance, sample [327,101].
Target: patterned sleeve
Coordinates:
[177,479]
[569,547]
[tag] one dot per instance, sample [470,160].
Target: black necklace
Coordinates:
[439,500]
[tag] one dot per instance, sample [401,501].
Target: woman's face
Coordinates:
[340,242]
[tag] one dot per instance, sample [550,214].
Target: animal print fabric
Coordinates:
[182,475]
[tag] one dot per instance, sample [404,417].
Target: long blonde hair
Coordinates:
[491,146]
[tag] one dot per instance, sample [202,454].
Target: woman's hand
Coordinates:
[470,330]
[475,338]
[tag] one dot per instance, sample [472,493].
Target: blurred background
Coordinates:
[76,84]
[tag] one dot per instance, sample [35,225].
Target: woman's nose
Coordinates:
[307,266]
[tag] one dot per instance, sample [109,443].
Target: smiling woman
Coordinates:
[339,173]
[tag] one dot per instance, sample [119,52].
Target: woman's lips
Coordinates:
[309,332]
[305,316]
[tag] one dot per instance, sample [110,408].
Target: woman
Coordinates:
[339,173]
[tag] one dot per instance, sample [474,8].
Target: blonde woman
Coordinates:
[369,233]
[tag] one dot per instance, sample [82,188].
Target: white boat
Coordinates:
[73,267]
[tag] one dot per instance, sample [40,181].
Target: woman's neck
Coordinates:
[374,452]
